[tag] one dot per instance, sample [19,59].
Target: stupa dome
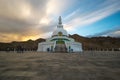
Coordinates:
[60,31]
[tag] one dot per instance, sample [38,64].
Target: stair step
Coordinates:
[60,48]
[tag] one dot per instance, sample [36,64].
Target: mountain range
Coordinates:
[93,43]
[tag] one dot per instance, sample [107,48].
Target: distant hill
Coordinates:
[98,43]
[27,45]
[94,43]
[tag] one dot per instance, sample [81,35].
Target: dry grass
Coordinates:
[60,66]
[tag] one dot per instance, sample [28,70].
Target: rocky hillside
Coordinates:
[94,43]
[27,45]
[98,43]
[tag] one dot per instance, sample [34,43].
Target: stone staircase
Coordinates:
[60,48]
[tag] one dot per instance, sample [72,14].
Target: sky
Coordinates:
[22,20]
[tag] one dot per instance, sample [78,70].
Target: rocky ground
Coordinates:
[60,66]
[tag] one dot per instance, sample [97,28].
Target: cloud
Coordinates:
[114,34]
[80,18]
[22,19]
[19,19]
[25,19]
[111,33]
[58,7]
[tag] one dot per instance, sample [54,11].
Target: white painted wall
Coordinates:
[42,47]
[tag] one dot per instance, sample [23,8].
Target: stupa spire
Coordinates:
[60,20]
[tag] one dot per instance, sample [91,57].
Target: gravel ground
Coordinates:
[88,65]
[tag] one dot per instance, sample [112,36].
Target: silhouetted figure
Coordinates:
[48,49]
[22,49]
[8,49]
[19,49]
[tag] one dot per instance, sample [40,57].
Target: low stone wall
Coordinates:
[84,53]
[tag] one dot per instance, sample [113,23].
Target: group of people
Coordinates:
[18,49]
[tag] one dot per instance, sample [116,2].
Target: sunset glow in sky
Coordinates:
[31,19]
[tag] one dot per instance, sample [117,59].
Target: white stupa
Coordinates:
[60,42]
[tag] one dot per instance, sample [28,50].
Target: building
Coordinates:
[60,42]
